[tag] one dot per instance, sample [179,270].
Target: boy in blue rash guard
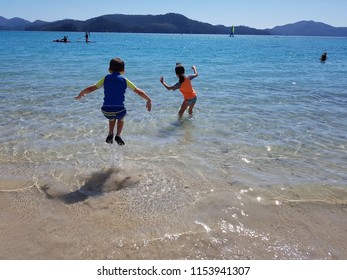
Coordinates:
[113,108]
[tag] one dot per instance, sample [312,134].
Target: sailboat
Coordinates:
[232,31]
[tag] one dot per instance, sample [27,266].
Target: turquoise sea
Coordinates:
[268,134]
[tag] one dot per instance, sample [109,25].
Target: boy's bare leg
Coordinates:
[120,124]
[119,140]
[111,125]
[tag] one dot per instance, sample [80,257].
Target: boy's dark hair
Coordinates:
[180,72]
[117,65]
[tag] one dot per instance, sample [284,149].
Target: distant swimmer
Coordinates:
[87,37]
[323,58]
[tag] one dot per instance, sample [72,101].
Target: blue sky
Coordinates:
[253,13]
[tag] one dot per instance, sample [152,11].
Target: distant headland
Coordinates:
[168,23]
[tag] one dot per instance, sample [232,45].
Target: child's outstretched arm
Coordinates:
[195,71]
[141,93]
[86,91]
[165,84]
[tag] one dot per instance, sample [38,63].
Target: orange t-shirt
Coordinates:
[186,88]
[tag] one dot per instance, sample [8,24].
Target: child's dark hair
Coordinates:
[180,72]
[117,65]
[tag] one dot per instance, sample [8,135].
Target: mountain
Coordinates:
[168,23]
[309,28]
[13,23]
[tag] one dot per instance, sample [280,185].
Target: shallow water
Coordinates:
[269,130]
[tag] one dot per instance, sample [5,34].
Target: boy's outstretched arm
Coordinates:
[141,93]
[86,91]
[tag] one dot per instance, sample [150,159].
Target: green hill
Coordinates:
[168,23]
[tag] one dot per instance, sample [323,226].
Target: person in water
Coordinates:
[113,108]
[185,86]
[87,37]
[323,57]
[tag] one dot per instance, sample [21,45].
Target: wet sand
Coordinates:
[46,222]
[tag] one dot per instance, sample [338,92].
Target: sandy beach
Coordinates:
[101,223]
[258,172]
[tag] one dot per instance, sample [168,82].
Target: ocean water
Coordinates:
[269,129]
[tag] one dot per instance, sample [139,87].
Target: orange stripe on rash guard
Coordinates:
[187,89]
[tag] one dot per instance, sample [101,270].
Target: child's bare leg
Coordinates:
[119,140]
[190,111]
[111,125]
[120,124]
[183,109]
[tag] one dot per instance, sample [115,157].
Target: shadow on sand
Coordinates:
[97,184]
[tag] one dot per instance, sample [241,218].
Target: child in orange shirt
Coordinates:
[185,86]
